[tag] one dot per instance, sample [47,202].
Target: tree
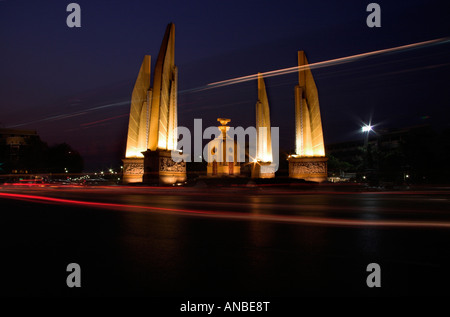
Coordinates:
[62,158]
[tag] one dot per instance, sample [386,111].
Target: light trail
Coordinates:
[103,120]
[72,114]
[328,63]
[236,215]
[237,80]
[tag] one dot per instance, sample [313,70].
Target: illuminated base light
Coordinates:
[263,170]
[134,154]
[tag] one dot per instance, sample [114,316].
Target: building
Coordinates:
[395,155]
[21,151]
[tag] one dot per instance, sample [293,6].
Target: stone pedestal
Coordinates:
[223,169]
[308,168]
[133,170]
[160,168]
[263,170]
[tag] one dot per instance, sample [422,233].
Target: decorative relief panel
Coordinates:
[134,168]
[166,164]
[309,168]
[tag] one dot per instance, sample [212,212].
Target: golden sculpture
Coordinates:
[223,154]
[309,161]
[153,111]
[308,124]
[262,167]
[264,143]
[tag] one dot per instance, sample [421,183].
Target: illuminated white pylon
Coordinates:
[308,123]
[153,111]
[264,142]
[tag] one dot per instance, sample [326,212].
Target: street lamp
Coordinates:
[367,128]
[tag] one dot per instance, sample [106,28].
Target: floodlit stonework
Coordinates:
[223,154]
[309,161]
[262,166]
[153,111]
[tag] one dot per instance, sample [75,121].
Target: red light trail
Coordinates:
[235,215]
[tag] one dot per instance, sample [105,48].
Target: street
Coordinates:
[243,241]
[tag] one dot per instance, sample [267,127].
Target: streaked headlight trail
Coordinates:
[328,63]
[233,215]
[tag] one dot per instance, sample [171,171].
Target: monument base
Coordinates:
[228,169]
[160,168]
[133,170]
[308,168]
[263,170]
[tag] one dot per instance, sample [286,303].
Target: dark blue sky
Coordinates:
[74,84]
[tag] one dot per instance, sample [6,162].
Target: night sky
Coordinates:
[74,84]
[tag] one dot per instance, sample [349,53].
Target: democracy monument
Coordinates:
[223,153]
[263,167]
[153,121]
[309,162]
[153,118]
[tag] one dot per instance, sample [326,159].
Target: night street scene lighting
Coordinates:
[237,160]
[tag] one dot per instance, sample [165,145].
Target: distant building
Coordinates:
[386,139]
[393,154]
[18,150]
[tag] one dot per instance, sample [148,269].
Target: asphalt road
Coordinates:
[235,241]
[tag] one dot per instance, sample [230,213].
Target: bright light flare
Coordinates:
[367,128]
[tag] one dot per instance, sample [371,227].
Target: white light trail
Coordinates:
[328,63]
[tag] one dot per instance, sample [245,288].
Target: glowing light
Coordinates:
[367,128]
[131,153]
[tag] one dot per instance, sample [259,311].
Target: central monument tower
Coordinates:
[153,121]
[222,154]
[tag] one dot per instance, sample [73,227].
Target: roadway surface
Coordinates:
[233,241]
